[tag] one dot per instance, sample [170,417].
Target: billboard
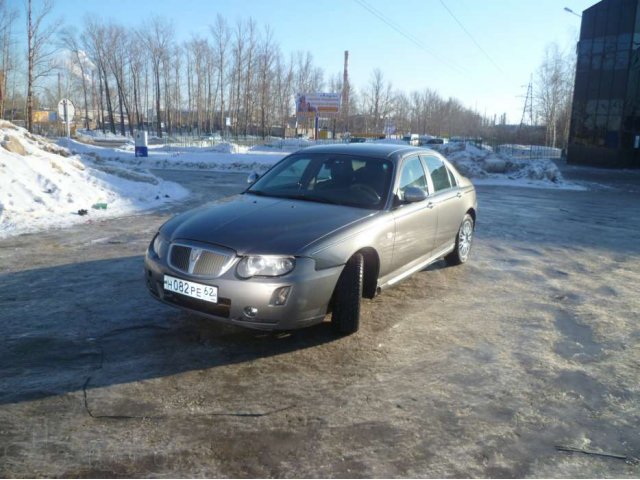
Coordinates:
[40,116]
[318,104]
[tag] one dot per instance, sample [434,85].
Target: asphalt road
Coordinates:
[473,371]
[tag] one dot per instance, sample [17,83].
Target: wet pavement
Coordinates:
[480,370]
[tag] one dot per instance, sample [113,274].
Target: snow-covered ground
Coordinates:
[43,186]
[104,137]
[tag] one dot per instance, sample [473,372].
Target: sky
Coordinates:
[482,52]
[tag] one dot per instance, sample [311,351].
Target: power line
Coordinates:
[382,17]
[471,37]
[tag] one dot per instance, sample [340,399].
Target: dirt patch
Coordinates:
[12,144]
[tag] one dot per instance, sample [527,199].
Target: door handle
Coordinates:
[430,205]
[459,194]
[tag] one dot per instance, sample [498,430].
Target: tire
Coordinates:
[464,239]
[345,317]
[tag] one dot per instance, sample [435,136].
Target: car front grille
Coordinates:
[200,261]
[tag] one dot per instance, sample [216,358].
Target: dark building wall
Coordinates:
[606,105]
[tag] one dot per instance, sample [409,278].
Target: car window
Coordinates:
[291,173]
[438,172]
[324,174]
[329,178]
[412,175]
[452,177]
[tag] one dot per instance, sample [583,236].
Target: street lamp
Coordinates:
[567,9]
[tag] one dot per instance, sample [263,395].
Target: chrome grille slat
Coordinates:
[210,263]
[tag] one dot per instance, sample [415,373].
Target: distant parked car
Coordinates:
[433,141]
[321,229]
[412,139]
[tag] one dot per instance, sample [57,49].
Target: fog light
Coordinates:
[250,312]
[280,295]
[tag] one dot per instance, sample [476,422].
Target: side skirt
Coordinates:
[433,258]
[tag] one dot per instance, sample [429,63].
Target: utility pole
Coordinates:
[528,105]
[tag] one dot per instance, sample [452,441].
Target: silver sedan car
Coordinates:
[321,229]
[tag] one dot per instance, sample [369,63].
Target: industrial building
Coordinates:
[605,121]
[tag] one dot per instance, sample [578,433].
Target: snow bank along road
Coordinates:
[480,370]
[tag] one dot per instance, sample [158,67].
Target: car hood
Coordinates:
[250,224]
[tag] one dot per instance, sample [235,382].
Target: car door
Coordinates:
[446,197]
[416,223]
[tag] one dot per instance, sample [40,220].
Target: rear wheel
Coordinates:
[464,238]
[346,299]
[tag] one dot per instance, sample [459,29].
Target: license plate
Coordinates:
[191,289]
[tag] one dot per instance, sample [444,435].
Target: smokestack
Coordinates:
[345,91]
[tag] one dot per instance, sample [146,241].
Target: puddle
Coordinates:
[577,341]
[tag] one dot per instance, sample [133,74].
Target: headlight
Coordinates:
[159,245]
[265,266]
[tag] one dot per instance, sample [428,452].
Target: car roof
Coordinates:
[390,151]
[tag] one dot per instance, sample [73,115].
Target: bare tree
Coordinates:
[237,73]
[95,42]
[39,50]
[379,99]
[157,36]
[402,114]
[137,71]
[221,36]
[7,64]
[553,92]
[69,40]
[177,56]
[265,64]
[283,89]
[249,61]
[196,50]
[116,56]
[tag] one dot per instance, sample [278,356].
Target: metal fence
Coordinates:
[512,150]
[290,144]
[528,151]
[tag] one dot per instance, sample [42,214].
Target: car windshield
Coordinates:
[328,178]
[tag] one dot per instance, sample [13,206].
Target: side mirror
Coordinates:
[252,178]
[414,194]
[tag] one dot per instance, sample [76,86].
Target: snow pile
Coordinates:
[282,144]
[224,157]
[201,147]
[393,141]
[89,135]
[42,186]
[483,164]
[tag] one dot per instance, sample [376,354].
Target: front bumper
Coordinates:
[307,303]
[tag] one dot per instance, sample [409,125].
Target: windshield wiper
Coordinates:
[295,196]
[310,198]
[259,193]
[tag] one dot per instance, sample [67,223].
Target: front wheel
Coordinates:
[464,238]
[346,299]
